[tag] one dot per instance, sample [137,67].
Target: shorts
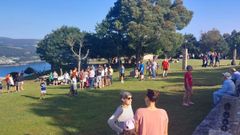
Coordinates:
[121,74]
[55,79]
[43,91]
[165,69]
[141,73]
[99,78]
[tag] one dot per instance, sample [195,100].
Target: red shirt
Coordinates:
[165,64]
[188,79]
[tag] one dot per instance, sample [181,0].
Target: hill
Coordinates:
[19,50]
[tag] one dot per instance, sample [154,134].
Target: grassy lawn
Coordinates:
[86,114]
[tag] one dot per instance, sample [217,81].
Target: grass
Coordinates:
[24,114]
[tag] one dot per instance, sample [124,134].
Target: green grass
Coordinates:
[24,114]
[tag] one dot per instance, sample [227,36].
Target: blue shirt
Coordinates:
[228,87]
[142,68]
[236,76]
[122,70]
[43,86]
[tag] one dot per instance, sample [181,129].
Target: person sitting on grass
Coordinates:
[43,89]
[228,88]
[188,87]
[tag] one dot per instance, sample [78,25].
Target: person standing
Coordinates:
[122,73]
[154,68]
[188,87]
[122,114]
[91,77]
[43,89]
[151,120]
[165,67]
[110,73]
[141,69]
[55,78]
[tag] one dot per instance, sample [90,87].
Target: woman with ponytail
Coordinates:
[151,120]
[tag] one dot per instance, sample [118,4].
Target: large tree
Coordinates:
[141,25]
[233,41]
[57,47]
[191,43]
[213,41]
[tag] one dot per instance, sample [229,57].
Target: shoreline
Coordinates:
[22,63]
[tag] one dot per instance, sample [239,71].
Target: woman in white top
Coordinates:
[122,114]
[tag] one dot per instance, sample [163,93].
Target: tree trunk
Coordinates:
[139,52]
[234,56]
[79,57]
[79,64]
[61,71]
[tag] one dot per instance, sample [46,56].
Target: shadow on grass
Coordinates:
[87,113]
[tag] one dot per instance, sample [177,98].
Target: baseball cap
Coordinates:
[226,74]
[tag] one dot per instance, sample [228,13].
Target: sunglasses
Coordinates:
[129,98]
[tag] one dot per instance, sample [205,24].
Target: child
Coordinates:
[73,87]
[188,87]
[165,67]
[43,89]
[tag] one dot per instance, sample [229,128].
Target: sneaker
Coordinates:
[185,104]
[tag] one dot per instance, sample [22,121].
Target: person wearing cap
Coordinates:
[122,114]
[151,120]
[236,79]
[228,88]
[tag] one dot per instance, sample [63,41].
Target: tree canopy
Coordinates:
[55,48]
[213,41]
[141,25]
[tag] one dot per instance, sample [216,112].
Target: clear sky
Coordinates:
[36,18]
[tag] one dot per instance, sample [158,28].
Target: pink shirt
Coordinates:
[151,122]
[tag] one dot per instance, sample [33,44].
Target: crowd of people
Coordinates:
[13,83]
[211,59]
[151,68]
[92,77]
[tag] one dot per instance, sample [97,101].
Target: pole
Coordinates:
[234,56]
[185,57]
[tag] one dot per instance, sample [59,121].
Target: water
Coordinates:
[38,66]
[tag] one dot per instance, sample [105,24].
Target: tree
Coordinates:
[233,41]
[191,43]
[213,41]
[75,41]
[141,25]
[55,48]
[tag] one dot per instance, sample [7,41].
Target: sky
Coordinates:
[36,18]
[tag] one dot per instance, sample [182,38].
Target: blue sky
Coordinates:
[36,18]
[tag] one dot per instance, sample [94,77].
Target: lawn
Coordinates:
[86,114]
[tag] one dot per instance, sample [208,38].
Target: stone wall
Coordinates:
[224,119]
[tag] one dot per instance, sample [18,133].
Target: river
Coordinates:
[37,66]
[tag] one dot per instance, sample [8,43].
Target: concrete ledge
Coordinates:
[223,119]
